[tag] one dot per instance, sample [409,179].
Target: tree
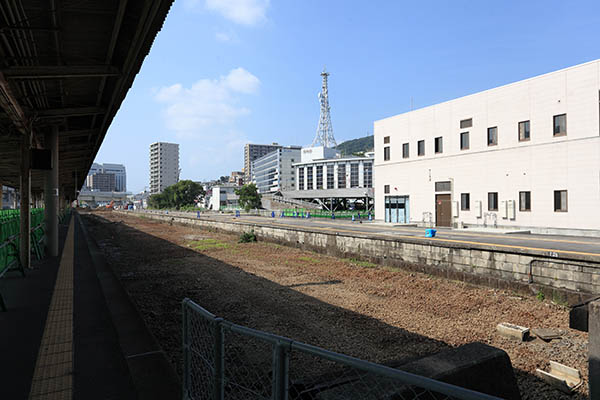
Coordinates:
[183,193]
[249,197]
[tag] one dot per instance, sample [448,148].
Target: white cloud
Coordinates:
[223,37]
[207,103]
[243,12]
[204,116]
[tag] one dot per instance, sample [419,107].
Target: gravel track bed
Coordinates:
[356,308]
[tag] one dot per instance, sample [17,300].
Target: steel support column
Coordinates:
[51,195]
[25,216]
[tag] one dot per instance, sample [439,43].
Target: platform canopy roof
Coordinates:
[68,64]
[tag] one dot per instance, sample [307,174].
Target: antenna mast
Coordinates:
[324,135]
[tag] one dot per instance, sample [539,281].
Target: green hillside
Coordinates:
[359,145]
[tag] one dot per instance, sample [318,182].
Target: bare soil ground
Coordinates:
[348,306]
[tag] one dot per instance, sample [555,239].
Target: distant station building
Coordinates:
[274,171]
[120,177]
[524,155]
[254,151]
[102,182]
[164,166]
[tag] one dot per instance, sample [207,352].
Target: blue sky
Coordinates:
[223,73]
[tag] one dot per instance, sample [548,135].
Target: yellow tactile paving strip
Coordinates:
[53,374]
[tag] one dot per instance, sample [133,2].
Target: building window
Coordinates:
[439,145]
[443,186]
[386,153]
[368,174]
[353,175]
[309,178]
[492,136]
[466,123]
[493,201]
[330,180]
[386,139]
[319,177]
[465,201]
[524,201]
[560,200]
[523,131]
[421,148]
[464,141]
[386,189]
[341,176]
[560,125]
[405,150]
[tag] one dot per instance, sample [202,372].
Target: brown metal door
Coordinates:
[443,210]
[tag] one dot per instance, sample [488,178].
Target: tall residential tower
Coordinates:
[164,166]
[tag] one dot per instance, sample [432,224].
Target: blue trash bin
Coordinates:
[430,233]
[272,214]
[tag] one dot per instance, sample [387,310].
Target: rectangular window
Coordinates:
[421,148]
[386,153]
[309,178]
[492,136]
[405,150]
[560,200]
[464,141]
[353,175]
[560,125]
[439,145]
[330,180]
[319,177]
[386,189]
[444,186]
[523,131]
[493,201]
[301,178]
[341,176]
[386,139]
[466,123]
[524,201]
[465,201]
[368,174]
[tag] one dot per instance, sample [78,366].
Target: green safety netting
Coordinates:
[302,213]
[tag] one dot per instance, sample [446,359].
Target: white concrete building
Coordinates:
[524,155]
[274,171]
[164,166]
[254,151]
[224,197]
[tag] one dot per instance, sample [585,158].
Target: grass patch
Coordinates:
[360,263]
[308,259]
[540,295]
[247,237]
[207,244]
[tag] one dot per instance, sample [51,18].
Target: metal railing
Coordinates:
[223,360]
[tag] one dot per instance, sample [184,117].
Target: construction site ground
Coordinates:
[344,305]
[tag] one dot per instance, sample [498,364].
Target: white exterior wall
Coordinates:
[335,162]
[541,165]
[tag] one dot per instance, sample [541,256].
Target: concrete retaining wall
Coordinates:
[565,280]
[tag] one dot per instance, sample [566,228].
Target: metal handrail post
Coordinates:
[219,373]
[281,369]
[186,351]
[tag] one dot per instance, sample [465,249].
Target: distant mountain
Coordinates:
[359,145]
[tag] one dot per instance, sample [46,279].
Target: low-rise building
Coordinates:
[223,197]
[523,155]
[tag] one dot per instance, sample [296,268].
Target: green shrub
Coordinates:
[247,237]
[540,295]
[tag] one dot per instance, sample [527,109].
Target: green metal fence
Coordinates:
[9,236]
[303,213]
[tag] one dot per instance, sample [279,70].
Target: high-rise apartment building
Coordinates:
[252,152]
[164,166]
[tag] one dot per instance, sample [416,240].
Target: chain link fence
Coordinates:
[223,360]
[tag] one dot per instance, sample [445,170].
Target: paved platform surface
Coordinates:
[59,339]
[561,245]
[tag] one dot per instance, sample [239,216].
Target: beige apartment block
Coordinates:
[523,155]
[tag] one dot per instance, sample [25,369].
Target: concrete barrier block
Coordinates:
[512,258]
[512,331]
